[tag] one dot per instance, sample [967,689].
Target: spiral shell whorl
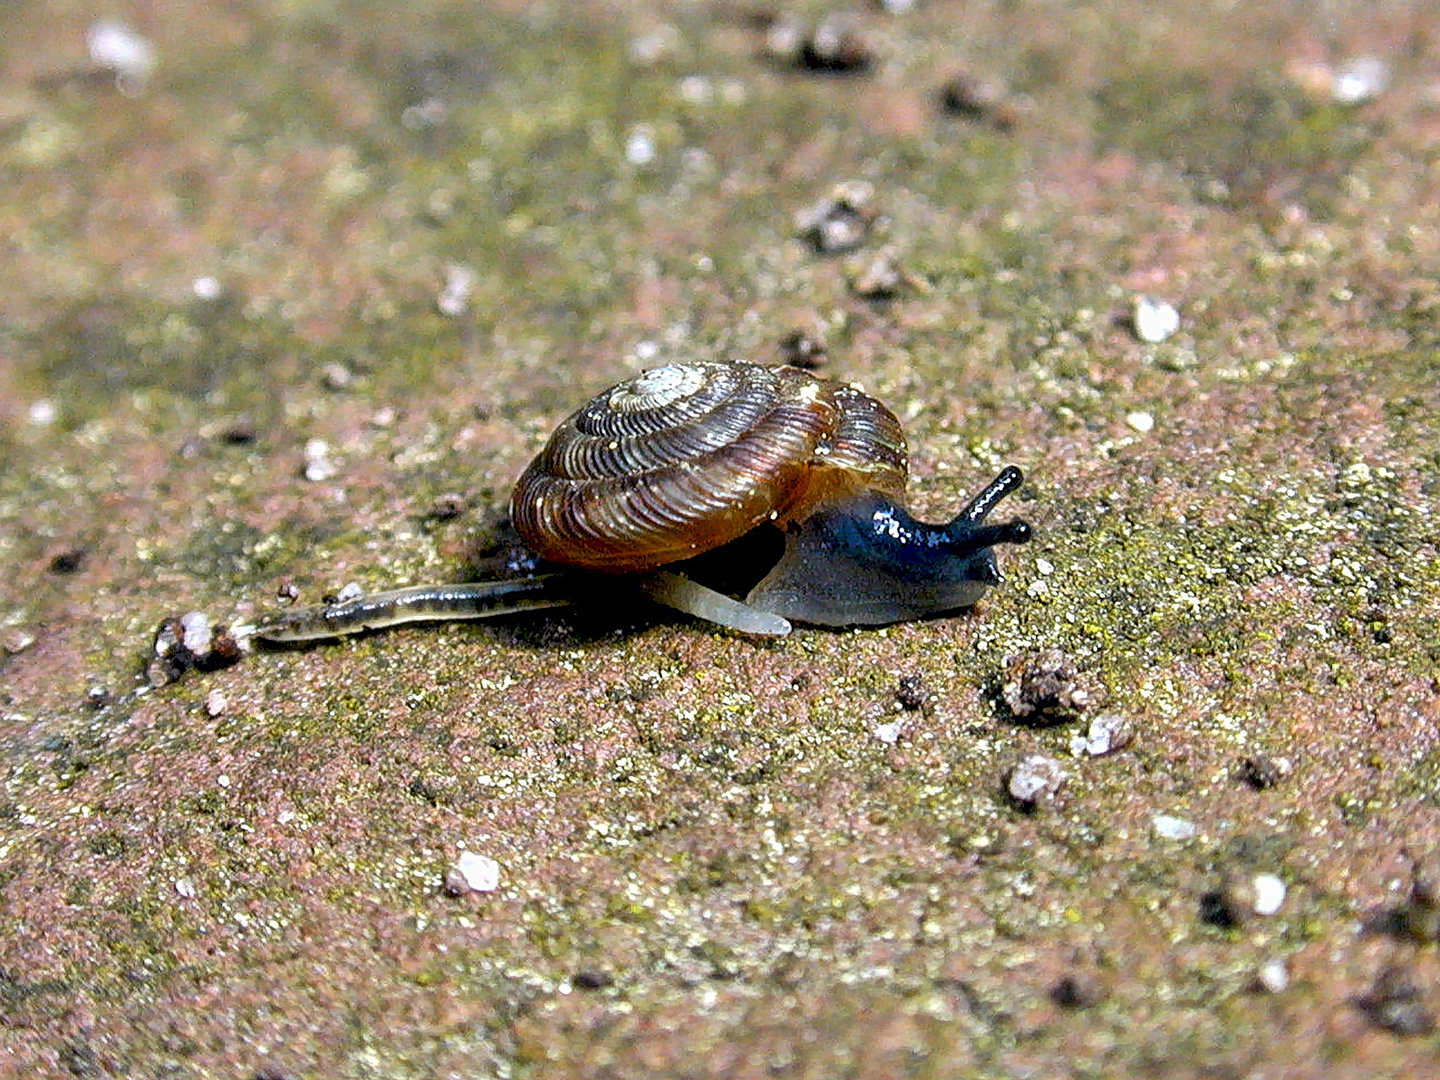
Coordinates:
[686,457]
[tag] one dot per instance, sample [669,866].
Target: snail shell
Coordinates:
[687,457]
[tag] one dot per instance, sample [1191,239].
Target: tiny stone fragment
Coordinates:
[195,632]
[472,873]
[592,979]
[115,46]
[454,298]
[1046,687]
[912,692]
[69,561]
[1036,781]
[889,733]
[649,49]
[841,221]
[215,702]
[207,287]
[803,349]
[640,145]
[1107,733]
[1079,989]
[336,376]
[169,659]
[881,277]
[1269,892]
[1273,977]
[1169,827]
[1397,1005]
[447,506]
[1359,80]
[784,38]
[188,641]
[1141,421]
[1154,319]
[1229,904]
[16,640]
[1262,771]
[239,434]
[319,465]
[978,100]
[835,47]
[225,649]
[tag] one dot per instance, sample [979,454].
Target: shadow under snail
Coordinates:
[686,458]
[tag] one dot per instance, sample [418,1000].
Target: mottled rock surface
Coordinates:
[290,294]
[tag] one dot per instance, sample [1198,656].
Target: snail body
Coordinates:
[686,458]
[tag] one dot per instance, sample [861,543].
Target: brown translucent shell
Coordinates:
[687,457]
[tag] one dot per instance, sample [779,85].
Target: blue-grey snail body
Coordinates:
[685,459]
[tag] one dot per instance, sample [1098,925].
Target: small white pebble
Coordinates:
[1273,977]
[454,298]
[473,873]
[696,90]
[640,145]
[1359,80]
[196,627]
[1173,828]
[889,733]
[1155,320]
[784,38]
[734,92]
[1107,732]
[215,702]
[337,376]
[114,45]
[206,287]
[1037,588]
[16,640]
[1141,421]
[655,46]
[318,463]
[350,591]
[1045,566]
[1037,779]
[223,780]
[42,412]
[1269,894]
[185,887]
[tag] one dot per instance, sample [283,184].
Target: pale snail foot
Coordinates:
[683,594]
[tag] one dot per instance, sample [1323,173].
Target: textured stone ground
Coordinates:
[230,365]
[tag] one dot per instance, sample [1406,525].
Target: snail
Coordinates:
[687,458]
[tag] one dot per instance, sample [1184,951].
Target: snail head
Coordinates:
[866,561]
